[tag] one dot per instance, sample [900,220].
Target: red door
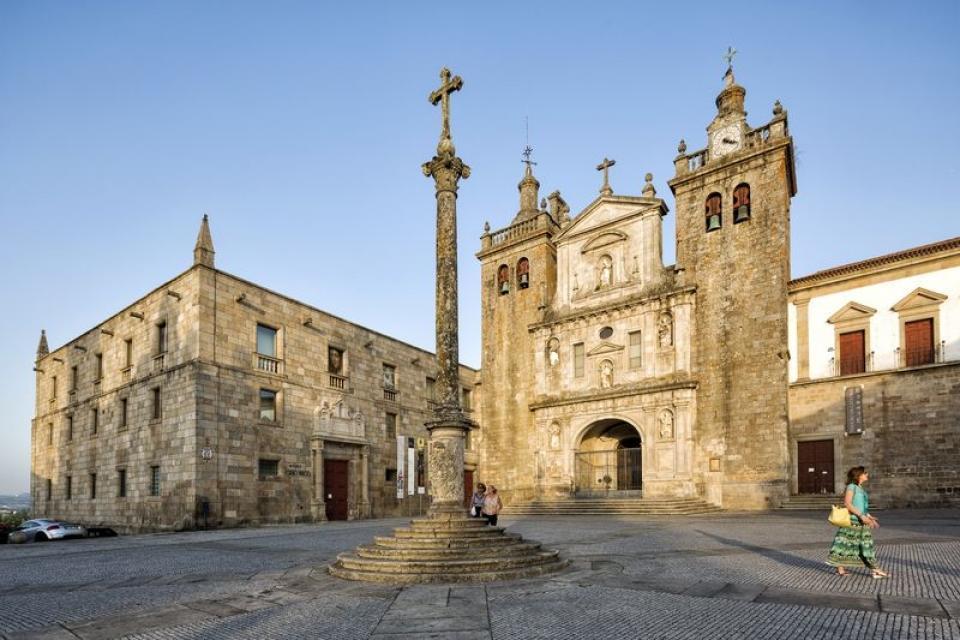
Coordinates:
[336,477]
[815,467]
[918,336]
[852,353]
[467,487]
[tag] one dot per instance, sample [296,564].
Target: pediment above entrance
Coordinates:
[851,311]
[603,241]
[919,298]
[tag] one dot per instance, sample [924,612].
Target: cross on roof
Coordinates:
[728,56]
[605,166]
[447,86]
[527,152]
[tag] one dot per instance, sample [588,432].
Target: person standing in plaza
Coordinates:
[492,505]
[476,501]
[853,546]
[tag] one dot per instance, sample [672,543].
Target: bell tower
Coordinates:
[518,278]
[733,245]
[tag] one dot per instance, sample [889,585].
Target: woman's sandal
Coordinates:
[877,575]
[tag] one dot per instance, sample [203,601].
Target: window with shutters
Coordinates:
[713,211]
[741,203]
[918,342]
[578,357]
[852,353]
[636,350]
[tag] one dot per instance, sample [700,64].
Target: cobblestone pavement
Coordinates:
[717,576]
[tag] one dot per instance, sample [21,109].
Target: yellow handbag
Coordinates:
[839,516]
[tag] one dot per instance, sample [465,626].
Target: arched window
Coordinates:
[713,212]
[523,273]
[503,279]
[741,203]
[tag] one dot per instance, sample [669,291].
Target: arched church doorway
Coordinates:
[609,458]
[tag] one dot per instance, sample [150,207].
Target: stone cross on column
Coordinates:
[605,166]
[449,426]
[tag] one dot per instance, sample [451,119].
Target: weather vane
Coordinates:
[527,150]
[728,56]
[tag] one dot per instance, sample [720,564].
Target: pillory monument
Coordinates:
[447,546]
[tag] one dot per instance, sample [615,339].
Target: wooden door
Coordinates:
[918,336]
[467,487]
[852,353]
[336,480]
[815,467]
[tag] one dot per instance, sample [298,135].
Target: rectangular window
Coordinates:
[50,434]
[69,428]
[128,353]
[852,353]
[161,337]
[53,388]
[335,361]
[68,487]
[154,481]
[268,468]
[93,486]
[636,352]
[467,440]
[465,399]
[266,341]
[123,413]
[157,404]
[391,423]
[268,405]
[918,336]
[431,390]
[121,483]
[49,489]
[94,421]
[99,367]
[578,360]
[390,476]
[74,377]
[389,377]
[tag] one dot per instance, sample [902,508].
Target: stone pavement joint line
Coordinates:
[437,612]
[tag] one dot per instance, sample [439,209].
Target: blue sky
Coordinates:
[300,128]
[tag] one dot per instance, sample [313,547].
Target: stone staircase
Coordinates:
[811,502]
[447,549]
[612,507]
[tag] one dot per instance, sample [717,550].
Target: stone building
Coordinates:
[876,377]
[607,373]
[214,400]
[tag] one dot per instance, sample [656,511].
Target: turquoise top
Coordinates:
[860,501]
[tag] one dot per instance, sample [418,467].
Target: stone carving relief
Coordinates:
[337,419]
[554,433]
[606,374]
[665,330]
[666,425]
[604,272]
[446,469]
[553,352]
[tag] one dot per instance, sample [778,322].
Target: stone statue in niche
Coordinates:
[553,352]
[666,425]
[605,272]
[665,330]
[554,436]
[606,374]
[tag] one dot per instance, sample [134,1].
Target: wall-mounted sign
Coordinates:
[853,409]
[206,453]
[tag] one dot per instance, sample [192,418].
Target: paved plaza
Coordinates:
[718,576]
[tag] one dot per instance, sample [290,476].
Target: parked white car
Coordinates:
[42,530]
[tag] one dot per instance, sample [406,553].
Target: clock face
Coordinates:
[725,140]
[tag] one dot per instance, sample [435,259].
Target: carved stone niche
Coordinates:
[338,421]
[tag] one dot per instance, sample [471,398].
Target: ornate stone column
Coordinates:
[447,431]
[364,509]
[318,506]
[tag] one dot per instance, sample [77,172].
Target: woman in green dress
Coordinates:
[853,546]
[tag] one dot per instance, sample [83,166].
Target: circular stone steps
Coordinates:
[448,548]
